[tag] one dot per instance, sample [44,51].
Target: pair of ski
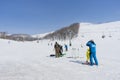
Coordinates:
[52,55]
[87,63]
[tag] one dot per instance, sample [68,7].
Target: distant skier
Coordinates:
[70,44]
[51,44]
[92,47]
[66,47]
[61,50]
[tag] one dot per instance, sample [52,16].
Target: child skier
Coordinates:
[88,55]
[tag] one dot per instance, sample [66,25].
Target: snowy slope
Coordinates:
[31,61]
[41,35]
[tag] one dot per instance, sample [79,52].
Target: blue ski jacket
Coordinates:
[92,46]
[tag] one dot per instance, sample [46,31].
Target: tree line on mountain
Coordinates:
[65,33]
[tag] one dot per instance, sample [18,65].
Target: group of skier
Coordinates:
[59,49]
[90,53]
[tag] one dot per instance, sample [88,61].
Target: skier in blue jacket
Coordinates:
[66,47]
[91,44]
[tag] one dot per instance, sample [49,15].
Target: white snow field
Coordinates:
[31,60]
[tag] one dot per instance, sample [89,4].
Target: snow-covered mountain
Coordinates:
[70,32]
[61,34]
[41,35]
[108,29]
[99,28]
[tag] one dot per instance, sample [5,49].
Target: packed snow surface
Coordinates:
[32,61]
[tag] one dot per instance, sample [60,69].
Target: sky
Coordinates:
[42,16]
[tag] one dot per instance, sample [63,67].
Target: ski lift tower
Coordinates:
[70,33]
